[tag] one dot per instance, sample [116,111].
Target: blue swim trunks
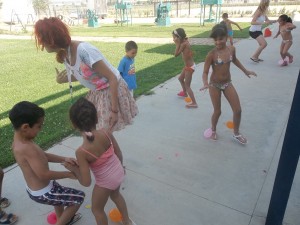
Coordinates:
[230,33]
[55,194]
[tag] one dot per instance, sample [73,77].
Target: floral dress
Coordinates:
[99,93]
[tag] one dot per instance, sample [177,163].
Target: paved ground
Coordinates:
[174,175]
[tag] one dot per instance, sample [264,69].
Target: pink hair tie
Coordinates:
[89,134]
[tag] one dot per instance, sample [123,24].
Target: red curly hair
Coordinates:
[53,33]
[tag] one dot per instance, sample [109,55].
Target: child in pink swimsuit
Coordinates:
[101,154]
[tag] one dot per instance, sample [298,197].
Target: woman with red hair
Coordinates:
[115,106]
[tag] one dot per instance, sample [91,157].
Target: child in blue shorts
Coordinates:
[127,67]
[227,22]
[27,119]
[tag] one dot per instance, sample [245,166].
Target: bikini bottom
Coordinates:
[220,86]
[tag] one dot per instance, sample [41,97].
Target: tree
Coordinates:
[40,6]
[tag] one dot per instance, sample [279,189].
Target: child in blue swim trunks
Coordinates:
[228,23]
[27,119]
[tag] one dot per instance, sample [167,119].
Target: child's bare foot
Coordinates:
[191,105]
[129,222]
[291,59]
[213,135]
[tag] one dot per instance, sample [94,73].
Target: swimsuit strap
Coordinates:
[86,151]
[107,136]
[91,154]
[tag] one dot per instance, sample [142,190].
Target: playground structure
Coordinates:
[122,8]
[15,19]
[162,14]
[203,3]
[92,18]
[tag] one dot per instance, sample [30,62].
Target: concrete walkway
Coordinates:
[175,176]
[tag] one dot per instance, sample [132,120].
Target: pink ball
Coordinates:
[280,62]
[51,218]
[207,133]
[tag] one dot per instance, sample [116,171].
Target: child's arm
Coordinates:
[82,172]
[38,161]
[179,47]
[121,67]
[59,159]
[234,23]
[207,64]
[290,26]
[239,64]
[278,32]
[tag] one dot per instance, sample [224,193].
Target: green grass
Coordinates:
[193,30]
[29,75]
[151,30]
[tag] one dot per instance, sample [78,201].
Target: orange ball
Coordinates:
[230,124]
[115,215]
[187,99]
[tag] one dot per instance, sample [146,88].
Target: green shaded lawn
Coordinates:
[151,30]
[30,75]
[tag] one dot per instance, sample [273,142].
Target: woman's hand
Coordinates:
[61,77]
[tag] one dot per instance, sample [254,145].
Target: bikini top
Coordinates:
[101,159]
[287,30]
[220,62]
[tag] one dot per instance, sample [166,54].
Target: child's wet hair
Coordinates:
[219,30]
[180,33]
[25,113]
[225,15]
[285,18]
[130,45]
[83,116]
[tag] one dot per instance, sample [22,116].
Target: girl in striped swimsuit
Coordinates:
[101,154]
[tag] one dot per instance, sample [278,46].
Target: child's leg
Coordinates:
[4,202]
[66,201]
[285,50]
[66,214]
[99,199]
[215,96]
[181,80]
[281,50]
[233,99]
[231,40]
[118,199]
[187,83]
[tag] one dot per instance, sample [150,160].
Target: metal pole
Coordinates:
[287,164]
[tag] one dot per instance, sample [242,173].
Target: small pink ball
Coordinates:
[280,62]
[207,133]
[51,218]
